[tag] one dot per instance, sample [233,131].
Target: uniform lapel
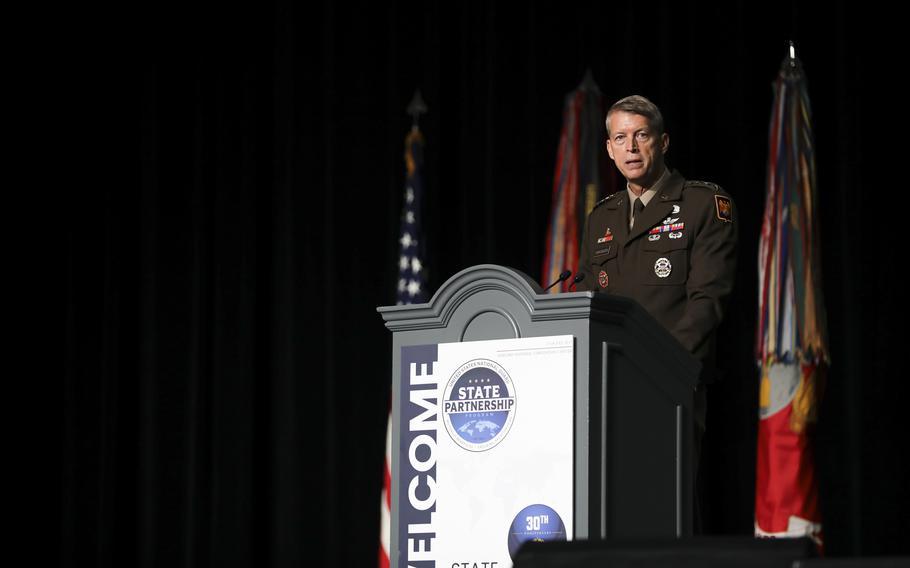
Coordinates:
[660,206]
[620,207]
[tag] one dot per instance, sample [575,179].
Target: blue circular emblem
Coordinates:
[479,405]
[537,523]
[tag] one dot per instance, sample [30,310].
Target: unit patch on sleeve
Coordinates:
[724,208]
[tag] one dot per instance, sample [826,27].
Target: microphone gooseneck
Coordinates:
[565,274]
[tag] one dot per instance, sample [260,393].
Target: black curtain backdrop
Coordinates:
[226,381]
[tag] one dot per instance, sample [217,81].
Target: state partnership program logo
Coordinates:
[479,405]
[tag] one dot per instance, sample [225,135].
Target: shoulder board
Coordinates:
[605,199]
[704,185]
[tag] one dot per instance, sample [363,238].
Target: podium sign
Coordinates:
[486,449]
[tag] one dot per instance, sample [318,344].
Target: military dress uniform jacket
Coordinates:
[678,261]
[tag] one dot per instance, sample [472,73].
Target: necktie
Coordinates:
[637,208]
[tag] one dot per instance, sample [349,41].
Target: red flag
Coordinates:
[385,523]
[791,343]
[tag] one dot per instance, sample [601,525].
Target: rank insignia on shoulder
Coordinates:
[724,208]
[608,198]
[705,184]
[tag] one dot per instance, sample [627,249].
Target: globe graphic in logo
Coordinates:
[479,405]
[537,523]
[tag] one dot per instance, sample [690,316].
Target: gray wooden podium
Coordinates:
[634,387]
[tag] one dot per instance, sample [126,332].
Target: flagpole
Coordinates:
[790,66]
[792,350]
[416,107]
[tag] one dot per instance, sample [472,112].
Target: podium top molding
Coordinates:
[642,334]
[438,311]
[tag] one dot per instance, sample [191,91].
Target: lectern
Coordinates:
[492,369]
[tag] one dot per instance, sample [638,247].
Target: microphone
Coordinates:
[578,278]
[562,276]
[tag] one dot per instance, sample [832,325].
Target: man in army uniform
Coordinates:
[668,243]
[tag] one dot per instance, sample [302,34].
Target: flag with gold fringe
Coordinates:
[792,345]
[577,180]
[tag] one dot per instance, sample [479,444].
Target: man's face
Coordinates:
[637,151]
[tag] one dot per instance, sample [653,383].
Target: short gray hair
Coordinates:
[637,104]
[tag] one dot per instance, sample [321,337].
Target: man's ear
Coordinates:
[664,143]
[610,150]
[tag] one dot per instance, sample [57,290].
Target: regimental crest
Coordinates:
[608,236]
[603,279]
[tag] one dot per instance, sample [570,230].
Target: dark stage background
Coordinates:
[226,383]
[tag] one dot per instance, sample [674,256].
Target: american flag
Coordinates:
[411,290]
[411,284]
